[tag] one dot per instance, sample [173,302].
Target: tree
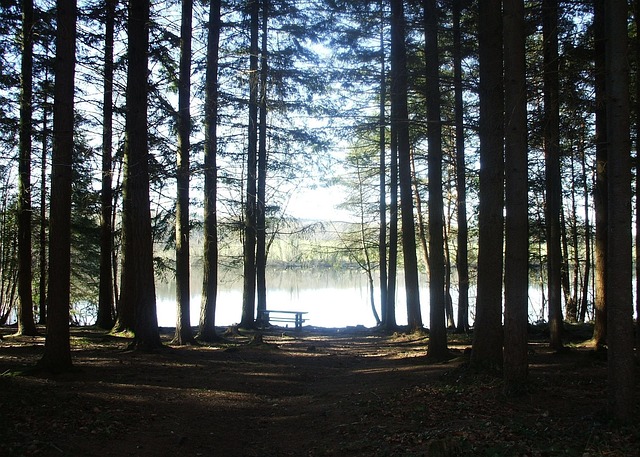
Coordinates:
[400,124]
[437,330]
[183,334]
[462,261]
[249,262]
[261,201]
[553,183]
[57,348]
[389,318]
[26,323]
[137,286]
[487,336]
[382,146]
[600,194]
[207,329]
[516,203]
[621,363]
[104,318]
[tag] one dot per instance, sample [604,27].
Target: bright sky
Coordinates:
[318,204]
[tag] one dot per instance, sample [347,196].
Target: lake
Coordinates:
[331,298]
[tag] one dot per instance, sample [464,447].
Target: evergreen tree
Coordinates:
[488,337]
[105,316]
[400,123]
[137,285]
[516,202]
[552,165]
[57,349]
[621,363]
[207,329]
[26,323]
[438,332]
[183,334]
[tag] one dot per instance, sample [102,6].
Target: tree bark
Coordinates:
[621,363]
[105,298]
[488,335]
[382,145]
[207,330]
[249,287]
[390,315]
[261,217]
[137,289]
[26,322]
[42,283]
[437,328]
[57,347]
[552,165]
[587,237]
[462,262]
[183,334]
[400,123]
[516,306]
[600,194]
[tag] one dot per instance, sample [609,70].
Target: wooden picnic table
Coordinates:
[295,317]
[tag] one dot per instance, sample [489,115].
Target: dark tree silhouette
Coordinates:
[487,337]
[400,124]
[621,362]
[138,291]
[183,334]
[26,322]
[516,203]
[57,348]
[437,330]
[106,297]
[207,329]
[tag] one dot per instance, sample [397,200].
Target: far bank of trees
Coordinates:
[493,136]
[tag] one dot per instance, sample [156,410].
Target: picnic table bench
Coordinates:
[295,317]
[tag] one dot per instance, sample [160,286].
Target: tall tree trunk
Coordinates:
[390,315]
[487,337]
[57,347]
[137,291]
[261,219]
[600,194]
[621,363]
[437,328]
[516,204]
[207,330]
[26,322]
[462,263]
[184,334]
[105,297]
[572,304]
[552,165]
[382,145]
[42,283]
[564,263]
[249,287]
[587,237]
[400,123]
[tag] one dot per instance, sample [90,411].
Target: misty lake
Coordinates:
[331,298]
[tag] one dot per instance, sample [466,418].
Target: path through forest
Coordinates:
[319,392]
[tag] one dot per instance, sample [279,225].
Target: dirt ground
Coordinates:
[317,392]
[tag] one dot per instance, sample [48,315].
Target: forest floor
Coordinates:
[317,392]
